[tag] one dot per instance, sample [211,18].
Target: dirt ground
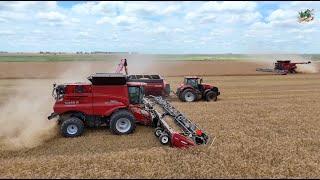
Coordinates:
[174,68]
[265,126]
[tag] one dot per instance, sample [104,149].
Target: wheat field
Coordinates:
[265,126]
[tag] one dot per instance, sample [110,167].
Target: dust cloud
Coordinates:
[23,122]
[23,118]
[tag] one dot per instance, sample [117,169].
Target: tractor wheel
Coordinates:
[180,96]
[72,127]
[164,139]
[188,95]
[158,131]
[122,122]
[211,96]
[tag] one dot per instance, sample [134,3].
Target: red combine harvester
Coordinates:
[283,67]
[113,101]
[193,89]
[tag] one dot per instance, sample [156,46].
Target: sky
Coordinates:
[170,27]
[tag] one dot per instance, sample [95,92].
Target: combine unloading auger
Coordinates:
[186,132]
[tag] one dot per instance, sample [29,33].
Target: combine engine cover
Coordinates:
[187,134]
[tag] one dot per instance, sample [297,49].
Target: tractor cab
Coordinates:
[193,81]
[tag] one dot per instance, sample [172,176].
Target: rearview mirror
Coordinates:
[201,81]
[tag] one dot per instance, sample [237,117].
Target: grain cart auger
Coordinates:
[185,134]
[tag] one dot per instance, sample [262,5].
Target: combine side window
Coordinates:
[134,95]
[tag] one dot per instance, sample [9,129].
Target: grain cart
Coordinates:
[193,89]
[283,67]
[109,100]
[156,85]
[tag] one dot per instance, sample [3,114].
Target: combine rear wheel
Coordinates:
[72,127]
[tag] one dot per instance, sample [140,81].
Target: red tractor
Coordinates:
[193,89]
[111,100]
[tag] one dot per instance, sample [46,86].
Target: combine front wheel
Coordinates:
[122,122]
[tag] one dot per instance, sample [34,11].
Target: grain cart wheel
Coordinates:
[188,95]
[72,127]
[158,131]
[164,139]
[122,122]
[211,96]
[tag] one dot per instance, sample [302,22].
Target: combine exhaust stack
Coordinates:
[188,133]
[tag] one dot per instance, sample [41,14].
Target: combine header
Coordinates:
[283,67]
[186,133]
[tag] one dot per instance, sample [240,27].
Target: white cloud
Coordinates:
[281,14]
[101,8]
[3,20]
[184,26]
[179,30]
[116,8]
[56,18]
[225,12]
[6,33]
[161,30]
[23,10]
[170,9]
[119,20]
[27,5]
[52,16]
[229,6]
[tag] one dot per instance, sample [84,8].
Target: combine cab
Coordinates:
[283,67]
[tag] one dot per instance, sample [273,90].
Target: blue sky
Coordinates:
[158,27]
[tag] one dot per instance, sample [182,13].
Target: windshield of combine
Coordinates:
[135,95]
